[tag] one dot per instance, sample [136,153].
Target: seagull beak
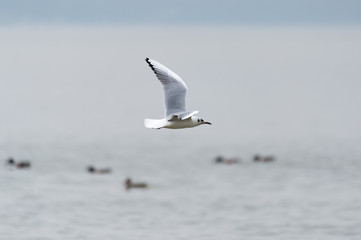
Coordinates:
[208,123]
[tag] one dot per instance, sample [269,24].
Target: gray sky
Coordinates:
[274,81]
[93,82]
[227,12]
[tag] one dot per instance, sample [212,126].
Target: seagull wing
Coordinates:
[174,88]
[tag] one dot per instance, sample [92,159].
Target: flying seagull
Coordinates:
[176,115]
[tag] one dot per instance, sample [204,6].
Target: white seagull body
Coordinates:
[176,115]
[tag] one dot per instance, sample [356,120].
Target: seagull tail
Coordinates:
[154,123]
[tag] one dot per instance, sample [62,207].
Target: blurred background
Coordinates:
[278,78]
[255,68]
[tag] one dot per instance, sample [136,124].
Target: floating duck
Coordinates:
[224,160]
[20,165]
[259,158]
[92,169]
[129,184]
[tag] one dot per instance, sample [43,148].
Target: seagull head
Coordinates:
[200,121]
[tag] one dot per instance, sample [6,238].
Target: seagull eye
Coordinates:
[202,120]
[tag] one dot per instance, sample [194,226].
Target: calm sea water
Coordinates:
[310,192]
[75,97]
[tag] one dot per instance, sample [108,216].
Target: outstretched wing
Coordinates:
[174,88]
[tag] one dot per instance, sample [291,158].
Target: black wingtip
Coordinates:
[150,64]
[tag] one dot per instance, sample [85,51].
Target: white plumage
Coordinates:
[175,90]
